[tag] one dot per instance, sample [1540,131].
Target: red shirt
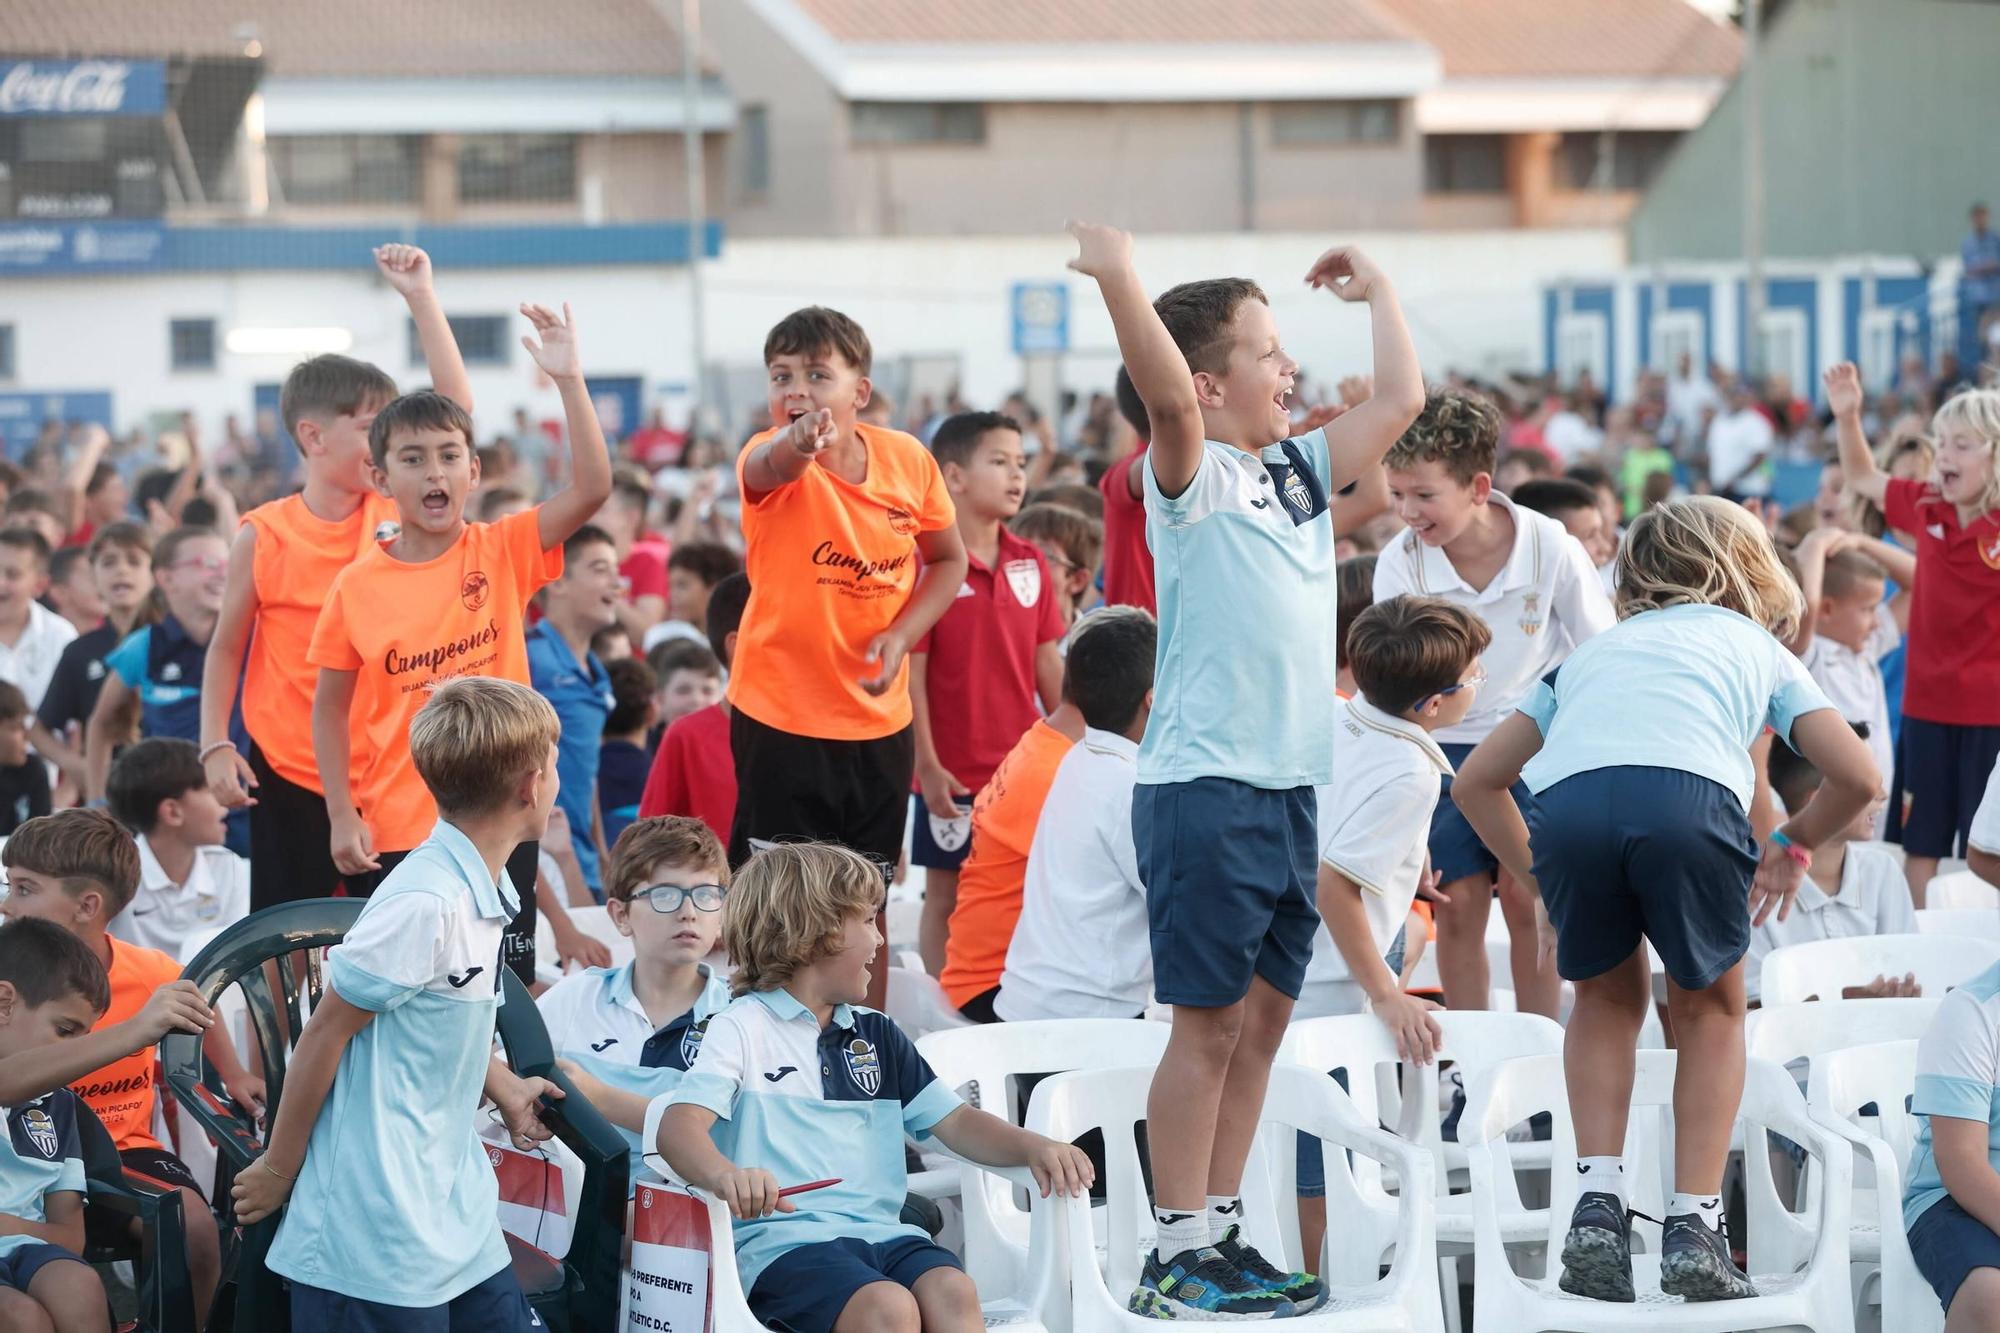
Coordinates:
[694,772]
[1128,561]
[644,572]
[1953,671]
[980,673]
[658,446]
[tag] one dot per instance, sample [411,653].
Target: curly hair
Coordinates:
[1702,550]
[788,906]
[1459,430]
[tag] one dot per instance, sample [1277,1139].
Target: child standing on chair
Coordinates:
[399,1228]
[1637,752]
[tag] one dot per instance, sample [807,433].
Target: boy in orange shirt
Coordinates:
[281,565]
[839,518]
[445,598]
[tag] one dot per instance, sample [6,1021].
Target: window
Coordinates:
[1781,341]
[753,137]
[517,168]
[1465,164]
[919,122]
[6,351]
[1622,160]
[191,344]
[1677,333]
[1300,123]
[1580,346]
[483,340]
[1881,340]
[347,168]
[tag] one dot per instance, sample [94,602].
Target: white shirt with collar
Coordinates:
[1874,899]
[163,915]
[1545,600]
[1083,946]
[1985,832]
[1853,683]
[1735,438]
[31,663]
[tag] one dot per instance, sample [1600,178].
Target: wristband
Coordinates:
[266,1164]
[1800,854]
[211,748]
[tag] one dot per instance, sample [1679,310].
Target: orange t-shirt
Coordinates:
[1004,816]
[407,628]
[123,1093]
[297,557]
[832,565]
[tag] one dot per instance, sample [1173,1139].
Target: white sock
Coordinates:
[1602,1175]
[1224,1212]
[1179,1232]
[1707,1207]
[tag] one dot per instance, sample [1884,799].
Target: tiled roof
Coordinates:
[1571,38]
[1134,21]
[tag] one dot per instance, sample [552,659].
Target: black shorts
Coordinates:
[156,1166]
[523,869]
[802,789]
[291,840]
[1941,772]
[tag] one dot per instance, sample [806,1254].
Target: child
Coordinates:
[689,677]
[1354,584]
[1638,757]
[1854,887]
[445,598]
[73,589]
[622,760]
[611,644]
[1950,735]
[24,778]
[281,569]
[1645,458]
[853,554]
[121,563]
[799,1083]
[694,770]
[693,570]
[1079,949]
[1948,1202]
[625,1035]
[1223,816]
[1571,504]
[642,557]
[1852,628]
[188,881]
[32,637]
[1128,561]
[403,1036]
[582,600]
[1539,593]
[40,513]
[1071,543]
[990,665]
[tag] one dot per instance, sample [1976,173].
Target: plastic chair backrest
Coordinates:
[919,1004]
[1961,889]
[596,922]
[1808,1030]
[1981,922]
[1883,1073]
[1823,967]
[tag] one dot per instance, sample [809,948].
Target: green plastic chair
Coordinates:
[160,1261]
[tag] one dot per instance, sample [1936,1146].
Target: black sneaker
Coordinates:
[1597,1253]
[1306,1292]
[1695,1264]
[1201,1284]
[1448,1130]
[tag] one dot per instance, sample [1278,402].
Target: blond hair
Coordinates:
[475,737]
[1977,411]
[788,907]
[1701,550]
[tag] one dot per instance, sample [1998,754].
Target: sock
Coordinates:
[1707,1207]
[1179,1232]
[1224,1212]
[1602,1175]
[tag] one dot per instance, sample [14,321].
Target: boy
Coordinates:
[1128,561]
[39,513]
[73,589]
[1079,949]
[839,518]
[801,930]
[281,569]
[688,676]
[642,557]
[694,770]
[622,760]
[1540,594]
[1645,458]
[24,778]
[121,563]
[989,666]
[188,881]
[693,570]
[1071,543]
[445,598]
[32,637]
[626,1034]
[1954,1174]
[582,600]
[1852,629]
[404,1036]
[1223,814]
[1570,503]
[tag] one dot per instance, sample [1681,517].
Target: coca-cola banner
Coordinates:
[82,87]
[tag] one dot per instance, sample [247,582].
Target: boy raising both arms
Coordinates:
[1223,817]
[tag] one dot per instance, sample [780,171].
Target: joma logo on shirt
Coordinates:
[826,554]
[397,663]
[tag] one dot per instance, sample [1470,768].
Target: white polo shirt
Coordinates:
[30,663]
[1985,832]
[1545,600]
[163,914]
[1083,945]
[1852,681]
[1374,828]
[1874,899]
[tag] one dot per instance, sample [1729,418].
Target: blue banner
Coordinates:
[82,87]
[1040,317]
[22,414]
[34,248]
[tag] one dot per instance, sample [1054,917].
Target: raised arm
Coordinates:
[76,480]
[1363,434]
[1158,370]
[229,775]
[1858,473]
[590,462]
[408,270]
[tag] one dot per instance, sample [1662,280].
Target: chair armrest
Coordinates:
[235,1134]
[1014,1175]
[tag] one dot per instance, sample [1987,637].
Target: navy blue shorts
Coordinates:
[18,1267]
[929,850]
[805,1290]
[1948,1243]
[1456,851]
[1941,772]
[496,1303]
[1230,871]
[1625,853]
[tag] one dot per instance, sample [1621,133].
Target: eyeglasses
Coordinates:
[1478,679]
[666,899]
[210,565]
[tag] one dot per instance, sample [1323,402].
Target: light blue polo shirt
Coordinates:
[1958,1075]
[580,692]
[397,1202]
[1243,570]
[41,1155]
[807,1104]
[1689,687]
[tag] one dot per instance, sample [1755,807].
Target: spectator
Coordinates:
[563,670]
[24,777]
[188,881]
[693,570]
[121,557]
[689,677]
[642,557]
[1692,402]
[1128,561]
[1071,544]
[32,637]
[1739,447]
[623,761]
[73,589]
[694,770]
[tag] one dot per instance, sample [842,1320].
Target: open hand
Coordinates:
[1843,389]
[1357,389]
[557,353]
[1320,414]
[573,946]
[1100,250]
[407,268]
[1347,273]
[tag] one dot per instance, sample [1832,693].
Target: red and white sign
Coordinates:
[667,1288]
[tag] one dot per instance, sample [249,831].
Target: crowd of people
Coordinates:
[1208,693]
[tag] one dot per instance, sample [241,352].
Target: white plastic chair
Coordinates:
[1978,922]
[1506,1302]
[1823,967]
[1112,1101]
[1883,1074]
[1960,889]
[919,1005]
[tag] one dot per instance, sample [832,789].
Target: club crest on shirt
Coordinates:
[691,1042]
[171,671]
[863,1066]
[475,590]
[41,1130]
[1297,494]
[901,521]
[1989,551]
[388,530]
[1025,578]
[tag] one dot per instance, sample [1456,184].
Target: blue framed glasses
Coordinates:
[1478,679]
[666,899]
